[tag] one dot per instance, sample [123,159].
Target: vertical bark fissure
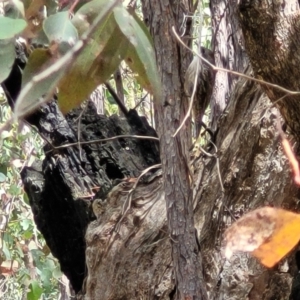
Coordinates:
[172,63]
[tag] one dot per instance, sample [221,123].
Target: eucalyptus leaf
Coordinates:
[107,47]
[35,291]
[29,98]
[87,14]
[140,55]
[58,28]
[39,60]
[11,27]
[25,223]
[141,25]
[2,177]
[5,250]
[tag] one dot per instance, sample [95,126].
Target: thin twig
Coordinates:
[105,140]
[218,167]
[119,102]
[139,103]
[78,130]
[187,115]
[278,87]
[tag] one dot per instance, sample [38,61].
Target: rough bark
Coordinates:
[271,30]
[172,61]
[253,170]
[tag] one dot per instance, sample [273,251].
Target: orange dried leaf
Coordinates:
[269,233]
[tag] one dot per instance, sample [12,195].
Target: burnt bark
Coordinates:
[62,187]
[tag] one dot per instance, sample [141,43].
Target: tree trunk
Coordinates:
[249,164]
[174,151]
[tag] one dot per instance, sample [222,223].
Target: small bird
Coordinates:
[204,88]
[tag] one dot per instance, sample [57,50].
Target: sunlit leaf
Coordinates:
[269,233]
[25,223]
[140,55]
[99,59]
[6,250]
[11,27]
[86,15]
[35,291]
[2,177]
[27,235]
[39,60]
[57,273]
[14,190]
[7,58]
[58,28]
[5,134]
[29,99]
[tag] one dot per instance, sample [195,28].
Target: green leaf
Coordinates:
[87,14]
[27,235]
[6,250]
[26,199]
[35,291]
[36,255]
[57,273]
[37,62]
[11,27]
[107,47]
[7,58]
[32,92]
[58,28]
[15,190]
[46,276]
[2,177]
[142,25]
[32,96]
[140,56]
[25,223]
[3,169]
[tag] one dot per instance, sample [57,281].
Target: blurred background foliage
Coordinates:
[28,270]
